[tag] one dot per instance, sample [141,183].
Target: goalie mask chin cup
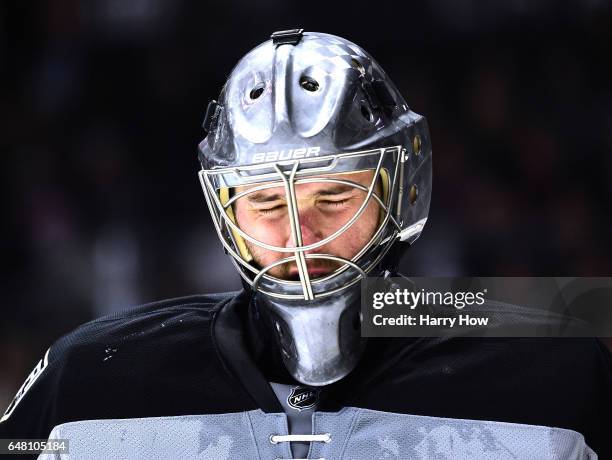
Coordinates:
[303,108]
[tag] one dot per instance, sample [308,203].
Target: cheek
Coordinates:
[262,230]
[255,227]
[267,232]
[353,240]
[242,217]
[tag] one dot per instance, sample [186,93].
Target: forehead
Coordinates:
[361,177]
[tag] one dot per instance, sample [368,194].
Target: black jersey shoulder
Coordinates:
[158,359]
[147,326]
[204,302]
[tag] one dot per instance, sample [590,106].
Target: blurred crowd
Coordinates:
[100,111]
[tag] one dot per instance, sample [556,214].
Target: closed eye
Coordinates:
[334,203]
[272,210]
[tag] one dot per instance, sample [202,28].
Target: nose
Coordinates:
[309,232]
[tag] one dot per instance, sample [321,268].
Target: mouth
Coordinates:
[313,272]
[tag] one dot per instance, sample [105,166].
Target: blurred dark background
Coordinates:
[101,104]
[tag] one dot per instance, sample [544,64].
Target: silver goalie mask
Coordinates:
[306,123]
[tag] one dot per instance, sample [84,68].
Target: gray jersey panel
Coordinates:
[384,435]
[242,435]
[355,434]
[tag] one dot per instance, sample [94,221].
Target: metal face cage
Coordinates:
[388,164]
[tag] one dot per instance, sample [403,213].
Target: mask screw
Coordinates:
[355,64]
[413,193]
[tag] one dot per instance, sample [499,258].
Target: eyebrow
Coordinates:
[337,190]
[261,197]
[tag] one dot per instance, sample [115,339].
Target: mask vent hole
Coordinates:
[309,84]
[256,91]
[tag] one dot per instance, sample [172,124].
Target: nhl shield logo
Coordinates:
[302,398]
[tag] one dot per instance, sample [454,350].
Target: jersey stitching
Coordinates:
[349,433]
[248,417]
